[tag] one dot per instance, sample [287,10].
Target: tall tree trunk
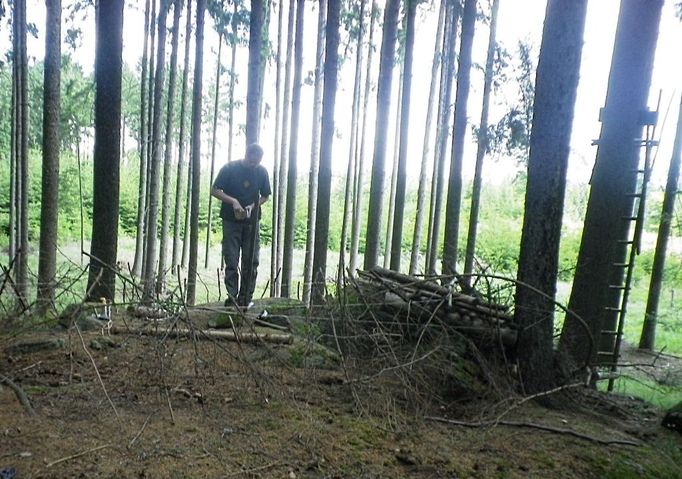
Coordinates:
[216,100]
[284,148]
[22,163]
[274,240]
[442,134]
[359,179]
[556,87]
[253,91]
[154,171]
[314,154]
[421,191]
[399,213]
[150,149]
[290,226]
[196,153]
[106,166]
[454,200]
[180,179]
[49,203]
[383,106]
[326,144]
[613,179]
[352,170]
[393,179]
[168,150]
[648,337]
[481,148]
[142,187]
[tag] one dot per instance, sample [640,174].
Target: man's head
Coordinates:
[254,155]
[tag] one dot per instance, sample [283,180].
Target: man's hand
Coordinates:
[239,212]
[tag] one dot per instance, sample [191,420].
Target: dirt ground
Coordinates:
[139,406]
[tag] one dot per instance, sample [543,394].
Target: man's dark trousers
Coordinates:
[238,236]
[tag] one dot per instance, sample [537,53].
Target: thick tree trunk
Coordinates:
[556,87]
[196,154]
[49,203]
[314,153]
[648,337]
[180,179]
[399,213]
[613,179]
[326,145]
[481,148]
[383,106]
[454,199]
[106,167]
[421,191]
[290,226]
[168,150]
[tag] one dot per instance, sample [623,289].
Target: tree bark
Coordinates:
[49,203]
[648,337]
[454,199]
[613,178]
[556,88]
[383,106]
[326,145]
[290,226]
[196,154]
[106,166]
[481,148]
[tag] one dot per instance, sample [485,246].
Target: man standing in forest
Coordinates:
[242,186]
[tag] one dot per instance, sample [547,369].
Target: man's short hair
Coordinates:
[254,150]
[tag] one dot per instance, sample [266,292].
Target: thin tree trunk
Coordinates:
[154,171]
[213,142]
[326,145]
[481,148]
[290,226]
[383,106]
[106,162]
[168,150]
[648,337]
[421,191]
[447,74]
[49,210]
[359,179]
[399,213]
[454,198]
[179,185]
[196,153]
[284,148]
[314,154]
[393,179]
[351,173]
[274,265]
[142,188]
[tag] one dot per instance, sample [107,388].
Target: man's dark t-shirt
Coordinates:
[245,184]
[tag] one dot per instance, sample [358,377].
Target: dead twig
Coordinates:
[531,425]
[74,456]
[19,393]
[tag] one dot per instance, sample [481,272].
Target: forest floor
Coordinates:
[140,406]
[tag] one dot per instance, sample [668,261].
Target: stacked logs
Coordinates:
[424,300]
